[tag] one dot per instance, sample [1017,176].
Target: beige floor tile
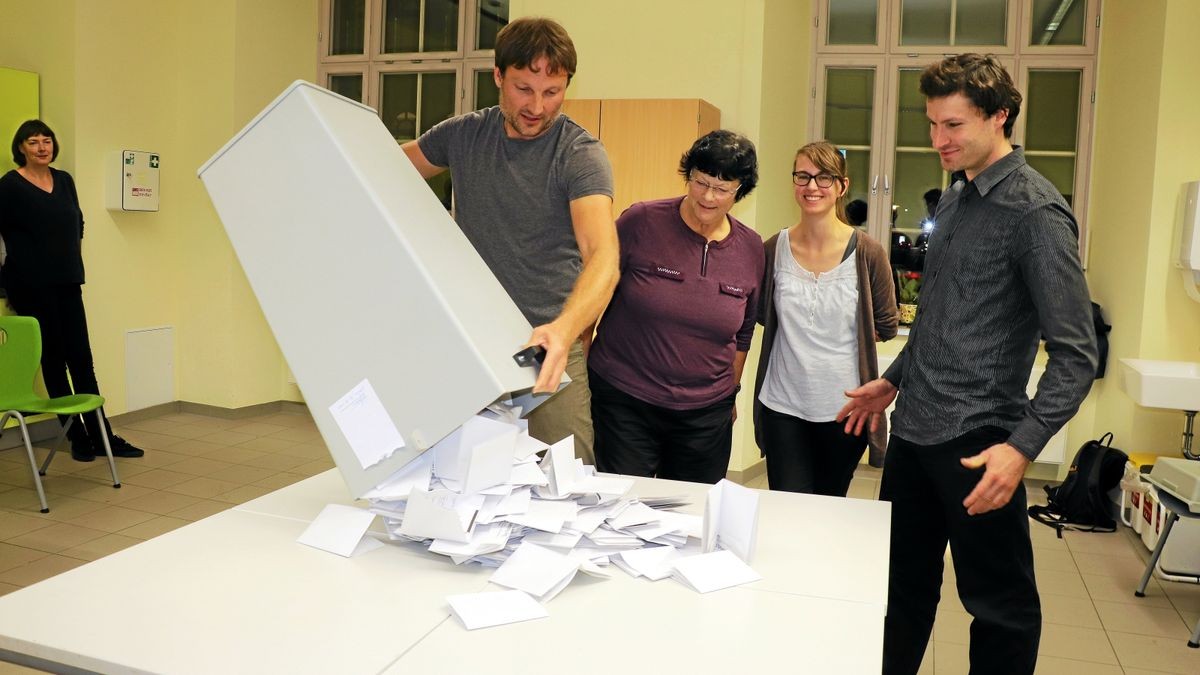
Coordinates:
[244,494]
[70,486]
[1070,611]
[299,434]
[950,658]
[203,487]
[57,538]
[200,510]
[161,502]
[5,589]
[257,428]
[278,462]
[1061,583]
[20,476]
[157,479]
[314,467]
[17,524]
[927,662]
[155,527]
[863,488]
[952,627]
[234,454]
[14,556]
[99,470]
[149,440]
[196,447]
[1053,561]
[112,518]
[1109,565]
[1120,589]
[153,459]
[267,444]
[1185,597]
[37,570]
[1042,537]
[183,418]
[279,480]
[157,425]
[211,424]
[243,474]
[1053,665]
[1162,654]
[227,437]
[107,494]
[199,466]
[1142,619]
[308,451]
[1076,643]
[64,509]
[1104,543]
[98,548]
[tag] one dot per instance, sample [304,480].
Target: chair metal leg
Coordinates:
[57,442]
[37,479]
[1158,549]
[1194,643]
[112,463]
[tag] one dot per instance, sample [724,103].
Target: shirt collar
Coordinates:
[998,171]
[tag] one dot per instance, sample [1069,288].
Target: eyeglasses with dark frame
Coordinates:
[824,180]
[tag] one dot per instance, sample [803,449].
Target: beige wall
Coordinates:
[179,78]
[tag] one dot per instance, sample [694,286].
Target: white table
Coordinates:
[235,593]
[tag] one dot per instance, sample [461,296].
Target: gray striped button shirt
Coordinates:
[1002,268]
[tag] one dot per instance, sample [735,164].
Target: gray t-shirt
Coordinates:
[512,200]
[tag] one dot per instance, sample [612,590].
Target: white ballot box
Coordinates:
[396,330]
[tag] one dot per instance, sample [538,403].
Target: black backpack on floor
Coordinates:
[1081,502]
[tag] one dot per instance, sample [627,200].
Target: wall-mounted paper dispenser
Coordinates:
[1189,245]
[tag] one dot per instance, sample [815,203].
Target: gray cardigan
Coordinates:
[877,316]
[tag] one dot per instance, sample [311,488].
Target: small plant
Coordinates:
[910,287]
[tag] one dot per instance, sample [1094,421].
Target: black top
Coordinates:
[42,231]
[1002,268]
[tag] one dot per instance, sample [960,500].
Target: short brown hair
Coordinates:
[528,39]
[826,157]
[981,79]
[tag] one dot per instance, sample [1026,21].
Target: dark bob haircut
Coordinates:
[27,130]
[528,39]
[726,155]
[981,79]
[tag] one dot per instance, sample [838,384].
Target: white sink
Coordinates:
[1162,384]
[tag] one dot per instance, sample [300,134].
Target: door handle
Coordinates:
[875,185]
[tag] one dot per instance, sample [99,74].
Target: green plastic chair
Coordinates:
[20,356]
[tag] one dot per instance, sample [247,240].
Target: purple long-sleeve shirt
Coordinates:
[682,310]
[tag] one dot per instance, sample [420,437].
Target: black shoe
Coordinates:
[81,450]
[120,448]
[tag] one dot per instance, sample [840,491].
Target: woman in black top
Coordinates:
[42,227]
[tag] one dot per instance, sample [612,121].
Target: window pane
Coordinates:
[1058,22]
[486,93]
[492,16]
[925,22]
[401,26]
[1052,106]
[349,85]
[916,187]
[437,98]
[1059,170]
[398,104]
[912,126]
[849,97]
[980,22]
[852,22]
[441,26]
[858,168]
[347,27]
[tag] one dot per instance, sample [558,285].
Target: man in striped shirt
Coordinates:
[1002,270]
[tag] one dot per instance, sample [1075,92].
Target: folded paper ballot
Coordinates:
[709,572]
[483,610]
[339,529]
[536,570]
[731,519]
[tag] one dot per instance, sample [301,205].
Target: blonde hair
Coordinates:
[827,158]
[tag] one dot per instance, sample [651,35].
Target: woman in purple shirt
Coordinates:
[667,360]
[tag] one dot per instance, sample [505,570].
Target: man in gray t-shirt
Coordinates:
[533,192]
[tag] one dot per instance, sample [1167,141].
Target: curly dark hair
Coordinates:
[981,79]
[726,155]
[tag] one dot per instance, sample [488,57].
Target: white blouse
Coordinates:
[815,356]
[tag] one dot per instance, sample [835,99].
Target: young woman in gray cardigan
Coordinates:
[828,295]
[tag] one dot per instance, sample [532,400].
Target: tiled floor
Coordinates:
[196,466]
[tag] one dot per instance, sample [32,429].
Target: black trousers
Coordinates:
[811,457]
[636,438]
[993,558]
[65,345]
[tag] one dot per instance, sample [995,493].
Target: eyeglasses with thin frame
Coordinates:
[824,180]
[718,191]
